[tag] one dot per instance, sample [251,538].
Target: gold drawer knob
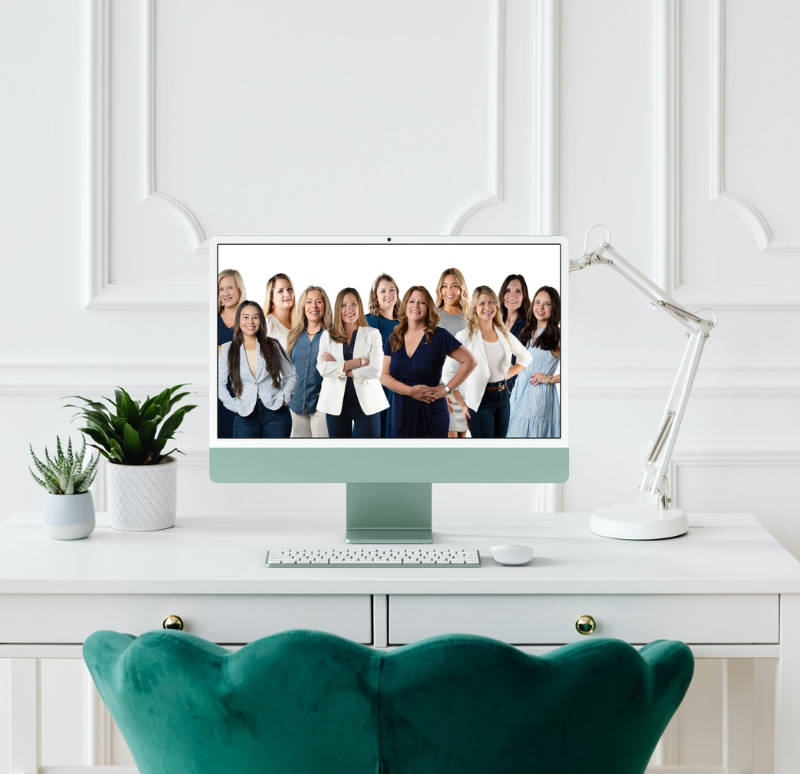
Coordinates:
[173,622]
[585,624]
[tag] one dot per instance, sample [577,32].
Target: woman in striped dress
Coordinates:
[535,411]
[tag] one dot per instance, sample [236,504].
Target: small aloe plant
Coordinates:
[64,474]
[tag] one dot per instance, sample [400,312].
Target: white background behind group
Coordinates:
[334,267]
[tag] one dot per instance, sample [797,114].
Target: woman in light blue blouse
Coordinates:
[535,411]
[255,364]
[303,348]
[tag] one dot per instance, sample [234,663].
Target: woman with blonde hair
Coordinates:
[452,304]
[280,308]
[483,396]
[414,355]
[262,378]
[230,290]
[383,300]
[303,349]
[349,362]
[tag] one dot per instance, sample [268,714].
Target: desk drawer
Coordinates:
[223,618]
[550,620]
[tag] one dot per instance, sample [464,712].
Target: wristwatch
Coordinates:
[447,390]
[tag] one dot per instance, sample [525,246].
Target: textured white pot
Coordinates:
[142,498]
[68,517]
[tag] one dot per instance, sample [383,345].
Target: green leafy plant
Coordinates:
[65,474]
[129,432]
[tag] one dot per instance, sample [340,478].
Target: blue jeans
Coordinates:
[264,423]
[339,427]
[491,418]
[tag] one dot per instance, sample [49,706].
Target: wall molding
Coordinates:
[494,194]
[667,154]
[545,216]
[733,453]
[98,291]
[63,376]
[150,195]
[95,150]
[667,142]
[761,453]
[766,241]
[649,380]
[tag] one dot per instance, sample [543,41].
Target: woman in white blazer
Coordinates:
[350,361]
[483,395]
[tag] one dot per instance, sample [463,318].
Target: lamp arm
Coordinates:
[656,464]
[698,326]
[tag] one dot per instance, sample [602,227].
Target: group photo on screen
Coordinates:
[450,352]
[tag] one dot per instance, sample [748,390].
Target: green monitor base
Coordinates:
[389,513]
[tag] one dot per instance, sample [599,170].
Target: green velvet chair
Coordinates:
[305,702]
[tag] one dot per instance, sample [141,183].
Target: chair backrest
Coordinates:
[305,702]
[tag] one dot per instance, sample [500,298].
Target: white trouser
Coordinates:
[309,425]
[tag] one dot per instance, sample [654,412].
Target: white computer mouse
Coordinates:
[512,555]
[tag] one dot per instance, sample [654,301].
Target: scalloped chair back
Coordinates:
[305,702]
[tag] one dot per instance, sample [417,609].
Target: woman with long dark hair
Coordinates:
[256,364]
[414,355]
[535,411]
[515,306]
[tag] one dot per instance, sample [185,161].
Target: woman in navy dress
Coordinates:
[230,287]
[516,304]
[414,356]
[383,298]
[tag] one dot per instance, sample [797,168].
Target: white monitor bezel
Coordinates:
[395,443]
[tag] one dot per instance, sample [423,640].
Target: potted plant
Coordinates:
[68,507]
[131,435]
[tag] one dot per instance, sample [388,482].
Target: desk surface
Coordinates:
[721,554]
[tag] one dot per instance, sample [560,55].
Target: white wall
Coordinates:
[131,131]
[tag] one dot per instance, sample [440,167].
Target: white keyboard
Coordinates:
[374,557]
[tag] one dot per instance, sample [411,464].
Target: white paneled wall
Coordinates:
[131,131]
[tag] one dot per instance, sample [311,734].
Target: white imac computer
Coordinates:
[389,363]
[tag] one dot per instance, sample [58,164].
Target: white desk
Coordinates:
[727,588]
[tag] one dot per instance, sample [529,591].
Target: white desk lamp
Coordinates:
[661,519]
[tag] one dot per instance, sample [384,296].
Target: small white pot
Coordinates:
[143,498]
[68,517]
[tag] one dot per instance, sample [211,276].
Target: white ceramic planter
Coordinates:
[68,517]
[142,498]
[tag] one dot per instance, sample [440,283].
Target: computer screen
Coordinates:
[388,361]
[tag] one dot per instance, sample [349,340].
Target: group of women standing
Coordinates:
[414,368]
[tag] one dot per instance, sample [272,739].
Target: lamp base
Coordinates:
[638,522]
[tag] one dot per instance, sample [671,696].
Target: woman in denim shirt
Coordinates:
[256,364]
[303,349]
